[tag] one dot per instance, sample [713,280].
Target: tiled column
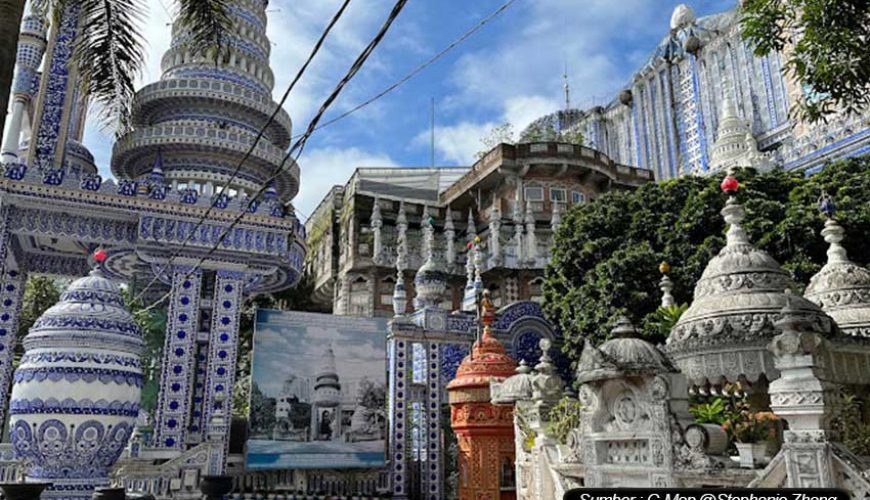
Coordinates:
[11,292]
[179,356]
[434,475]
[400,456]
[221,364]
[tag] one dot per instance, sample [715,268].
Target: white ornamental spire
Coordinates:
[666,285]
[428,235]
[402,234]
[450,241]
[376,225]
[495,234]
[519,246]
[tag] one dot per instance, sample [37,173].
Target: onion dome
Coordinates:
[79,158]
[76,391]
[725,332]
[624,355]
[842,288]
[430,283]
[90,310]
[515,388]
[487,362]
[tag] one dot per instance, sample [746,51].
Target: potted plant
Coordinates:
[751,432]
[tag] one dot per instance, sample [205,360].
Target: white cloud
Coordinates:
[325,167]
[458,143]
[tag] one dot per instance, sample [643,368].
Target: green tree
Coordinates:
[501,134]
[606,255]
[40,293]
[152,322]
[109,50]
[826,42]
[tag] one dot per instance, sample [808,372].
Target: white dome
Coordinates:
[683,16]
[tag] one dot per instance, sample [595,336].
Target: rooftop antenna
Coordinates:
[432,133]
[567,88]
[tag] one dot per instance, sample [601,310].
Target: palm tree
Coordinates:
[109,51]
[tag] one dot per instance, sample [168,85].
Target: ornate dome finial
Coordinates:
[841,288]
[623,329]
[666,285]
[827,206]
[100,255]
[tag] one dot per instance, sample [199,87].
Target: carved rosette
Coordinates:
[76,392]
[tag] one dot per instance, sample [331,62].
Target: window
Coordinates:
[577,197]
[557,194]
[534,194]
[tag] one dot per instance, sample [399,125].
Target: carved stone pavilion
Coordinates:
[157,224]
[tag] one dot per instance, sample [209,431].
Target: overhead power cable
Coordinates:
[260,134]
[414,72]
[299,146]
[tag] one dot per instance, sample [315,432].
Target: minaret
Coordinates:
[205,116]
[31,47]
[472,267]
[402,233]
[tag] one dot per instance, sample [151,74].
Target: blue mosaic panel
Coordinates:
[179,357]
[221,365]
[11,291]
[451,356]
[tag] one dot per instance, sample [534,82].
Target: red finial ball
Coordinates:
[470,245]
[100,255]
[730,185]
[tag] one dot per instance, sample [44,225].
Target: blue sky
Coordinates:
[511,71]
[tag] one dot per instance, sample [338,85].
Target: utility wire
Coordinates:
[299,146]
[483,22]
[253,146]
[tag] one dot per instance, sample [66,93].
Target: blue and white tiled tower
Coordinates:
[76,391]
[202,118]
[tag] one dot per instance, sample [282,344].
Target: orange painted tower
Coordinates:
[485,432]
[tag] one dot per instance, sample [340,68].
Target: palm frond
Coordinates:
[209,23]
[109,52]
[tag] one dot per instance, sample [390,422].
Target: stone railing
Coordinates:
[527,153]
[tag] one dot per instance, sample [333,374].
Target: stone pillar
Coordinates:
[399,381]
[179,360]
[803,396]
[221,367]
[11,293]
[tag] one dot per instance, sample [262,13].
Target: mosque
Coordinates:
[420,246]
